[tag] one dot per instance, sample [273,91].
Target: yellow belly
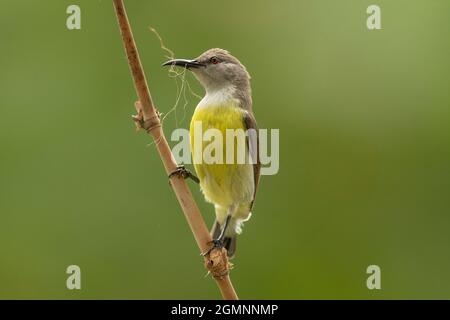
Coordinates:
[222,183]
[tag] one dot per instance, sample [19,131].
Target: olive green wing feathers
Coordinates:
[253,147]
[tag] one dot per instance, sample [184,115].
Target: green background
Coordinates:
[364,150]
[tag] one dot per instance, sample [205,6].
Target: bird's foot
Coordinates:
[216,244]
[182,172]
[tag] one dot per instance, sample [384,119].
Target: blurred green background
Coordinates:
[365,150]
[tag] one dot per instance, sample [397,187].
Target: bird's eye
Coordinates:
[214,60]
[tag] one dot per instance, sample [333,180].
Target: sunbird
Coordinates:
[227,104]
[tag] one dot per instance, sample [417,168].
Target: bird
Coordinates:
[227,104]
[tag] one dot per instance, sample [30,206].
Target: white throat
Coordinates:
[218,97]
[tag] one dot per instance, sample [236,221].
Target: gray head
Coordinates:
[216,69]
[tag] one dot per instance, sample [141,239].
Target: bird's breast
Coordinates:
[222,182]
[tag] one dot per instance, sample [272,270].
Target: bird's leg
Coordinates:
[218,243]
[222,233]
[182,172]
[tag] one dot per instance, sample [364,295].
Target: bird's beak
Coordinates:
[188,64]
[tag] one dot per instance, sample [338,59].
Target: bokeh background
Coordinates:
[364,153]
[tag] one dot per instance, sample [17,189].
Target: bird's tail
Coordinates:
[228,242]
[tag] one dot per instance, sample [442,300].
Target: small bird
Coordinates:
[227,104]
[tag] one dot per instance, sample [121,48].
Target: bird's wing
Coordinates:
[253,147]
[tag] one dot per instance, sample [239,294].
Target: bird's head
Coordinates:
[216,69]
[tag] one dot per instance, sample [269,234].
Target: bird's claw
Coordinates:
[216,244]
[184,173]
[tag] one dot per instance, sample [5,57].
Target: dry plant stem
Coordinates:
[216,261]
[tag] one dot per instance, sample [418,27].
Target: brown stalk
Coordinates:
[216,261]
